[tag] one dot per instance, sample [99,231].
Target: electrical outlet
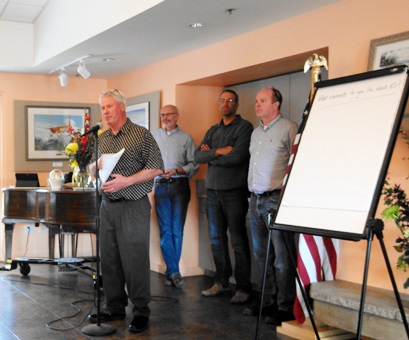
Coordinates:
[29,229]
[43,229]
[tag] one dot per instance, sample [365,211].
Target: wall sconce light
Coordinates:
[63,78]
[82,70]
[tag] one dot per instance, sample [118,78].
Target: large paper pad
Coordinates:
[109,161]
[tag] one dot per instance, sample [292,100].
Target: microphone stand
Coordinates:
[97,329]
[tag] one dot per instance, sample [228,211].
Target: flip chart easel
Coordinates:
[342,159]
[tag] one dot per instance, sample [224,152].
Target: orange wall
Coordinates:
[36,88]
[346,28]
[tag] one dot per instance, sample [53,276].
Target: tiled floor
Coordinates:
[29,303]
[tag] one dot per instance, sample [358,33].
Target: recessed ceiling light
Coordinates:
[108,60]
[196,25]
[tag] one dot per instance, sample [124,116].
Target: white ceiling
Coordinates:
[25,11]
[157,33]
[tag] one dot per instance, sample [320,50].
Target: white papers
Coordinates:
[108,161]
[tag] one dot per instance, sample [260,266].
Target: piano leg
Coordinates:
[74,244]
[8,230]
[52,231]
[62,241]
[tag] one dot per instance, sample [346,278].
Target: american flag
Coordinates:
[317,256]
[317,261]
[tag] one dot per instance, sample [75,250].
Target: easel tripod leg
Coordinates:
[395,288]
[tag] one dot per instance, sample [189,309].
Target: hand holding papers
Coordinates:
[108,161]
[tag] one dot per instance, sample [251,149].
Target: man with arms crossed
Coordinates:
[225,150]
[270,150]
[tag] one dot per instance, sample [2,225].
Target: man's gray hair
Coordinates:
[116,94]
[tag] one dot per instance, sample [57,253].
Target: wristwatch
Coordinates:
[177,172]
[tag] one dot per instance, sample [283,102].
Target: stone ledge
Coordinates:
[337,303]
[379,302]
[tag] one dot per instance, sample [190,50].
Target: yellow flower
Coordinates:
[73,164]
[71,149]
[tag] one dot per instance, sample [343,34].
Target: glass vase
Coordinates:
[81,177]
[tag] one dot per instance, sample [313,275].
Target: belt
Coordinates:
[113,200]
[170,180]
[267,193]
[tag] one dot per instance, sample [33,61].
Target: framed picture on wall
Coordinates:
[139,114]
[47,130]
[389,51]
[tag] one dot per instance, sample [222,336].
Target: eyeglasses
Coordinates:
[228,101]
[116,94]
[167,114]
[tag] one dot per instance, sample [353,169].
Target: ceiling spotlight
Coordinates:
[196,25]
[63,78]
[82,70]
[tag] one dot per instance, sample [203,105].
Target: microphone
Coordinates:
[94,129]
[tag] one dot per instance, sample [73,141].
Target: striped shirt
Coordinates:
[141,152]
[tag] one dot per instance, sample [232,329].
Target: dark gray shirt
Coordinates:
[229,171]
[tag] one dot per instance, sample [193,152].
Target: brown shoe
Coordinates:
[239,298]
[216,289]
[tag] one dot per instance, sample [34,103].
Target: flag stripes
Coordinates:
[317,261]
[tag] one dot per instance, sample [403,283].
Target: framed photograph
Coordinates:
[47,130]
[139,114]
[389,51]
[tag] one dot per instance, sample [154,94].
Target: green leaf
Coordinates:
[391,212]
[398,249]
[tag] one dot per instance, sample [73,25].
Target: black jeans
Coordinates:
[227,209]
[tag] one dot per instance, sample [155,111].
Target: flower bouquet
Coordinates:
[79,151]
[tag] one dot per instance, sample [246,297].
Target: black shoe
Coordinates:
[177,280]
[168,282]
[105,316]
[139,324]
[278,318]
[253,310]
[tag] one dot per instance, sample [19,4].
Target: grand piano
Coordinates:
[62,211]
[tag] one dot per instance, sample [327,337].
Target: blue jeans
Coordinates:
[228,209]
[171,203]
[280,279]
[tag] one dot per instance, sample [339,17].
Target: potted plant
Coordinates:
[397,202]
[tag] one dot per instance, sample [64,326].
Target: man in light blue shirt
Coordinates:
[270,150]
[172,190]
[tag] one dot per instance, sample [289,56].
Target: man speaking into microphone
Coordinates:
[125,213]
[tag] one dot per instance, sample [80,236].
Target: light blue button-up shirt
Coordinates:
[270,150]
[177,149]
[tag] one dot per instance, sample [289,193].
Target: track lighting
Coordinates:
[63,78]
[82,70]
